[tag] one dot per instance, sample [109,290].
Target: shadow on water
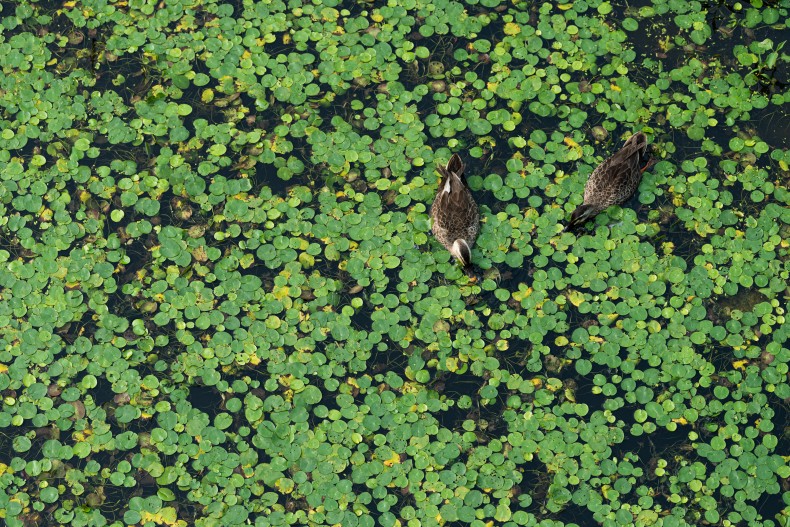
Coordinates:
[673,235]
[453,386]
[266,175]
[206,399]
[771,124]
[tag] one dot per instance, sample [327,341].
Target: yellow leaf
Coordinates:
[395,459]
[614,87]
[576,298]
[451,363]
[740,364]
[680,420]
[281,292]
[164,516]
[284,485]
[511,28]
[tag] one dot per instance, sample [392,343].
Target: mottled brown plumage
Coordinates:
[454,216]
[614,181]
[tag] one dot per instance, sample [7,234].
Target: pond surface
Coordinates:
[222,303]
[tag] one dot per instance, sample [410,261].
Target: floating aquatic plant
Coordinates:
[221,304]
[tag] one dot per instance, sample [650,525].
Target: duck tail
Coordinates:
[452,174]
[645,159]
[456,166]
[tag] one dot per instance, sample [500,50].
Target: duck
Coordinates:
[614,181]
[455,220]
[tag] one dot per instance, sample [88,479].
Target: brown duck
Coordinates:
[614,181]
[454,216]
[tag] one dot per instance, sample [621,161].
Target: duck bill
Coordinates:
[649,162]
[462,252]
[471,272]
[579,217]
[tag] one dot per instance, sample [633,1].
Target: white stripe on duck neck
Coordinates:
[456,250]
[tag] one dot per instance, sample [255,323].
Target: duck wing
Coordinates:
[454,208]
[617,178]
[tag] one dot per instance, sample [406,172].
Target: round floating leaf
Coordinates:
[629,24]
[480,127]
[49,495]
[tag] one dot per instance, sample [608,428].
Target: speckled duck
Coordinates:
[454,216]
[614,181]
